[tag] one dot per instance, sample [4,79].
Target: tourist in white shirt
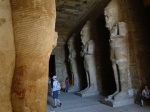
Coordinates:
[55,92]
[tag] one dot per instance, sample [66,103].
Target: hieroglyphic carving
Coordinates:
[124,7]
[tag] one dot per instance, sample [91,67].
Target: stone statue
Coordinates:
[34,30]
[119,58]
[87,53]
[7,55]
[118,51]
[73,65]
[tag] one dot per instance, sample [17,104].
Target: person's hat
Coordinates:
[54,77]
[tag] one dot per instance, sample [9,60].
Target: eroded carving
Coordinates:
[73,64]
[88,49]
[118,51]
[35,39]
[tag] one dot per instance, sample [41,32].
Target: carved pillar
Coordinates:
[34,25]
[119,56]
[7,55]
[88,51]
[73,65]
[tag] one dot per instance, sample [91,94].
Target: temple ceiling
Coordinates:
[146,2]
[71,14]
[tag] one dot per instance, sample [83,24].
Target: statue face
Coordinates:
[109,18]
[84,35]
[70,47]
[111,14]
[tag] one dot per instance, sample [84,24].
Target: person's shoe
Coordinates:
[142,105]
[60,104]
[54,106]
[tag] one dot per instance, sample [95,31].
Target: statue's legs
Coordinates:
[91,84]
[116,81]
[88,84]
[75,79]
[123,81]
[91,88]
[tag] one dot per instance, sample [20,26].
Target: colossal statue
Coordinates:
[88,49]
[73,65]
[34,30]
[118,51]
[7,55]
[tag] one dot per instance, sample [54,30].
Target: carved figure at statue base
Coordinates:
[73,65]
[87,52]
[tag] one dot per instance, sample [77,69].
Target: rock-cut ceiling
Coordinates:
[71,14]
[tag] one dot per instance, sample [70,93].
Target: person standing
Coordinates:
[55,92]
[67,84]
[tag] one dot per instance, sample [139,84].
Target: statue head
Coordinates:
[85,33]
[111,14]
[71,42]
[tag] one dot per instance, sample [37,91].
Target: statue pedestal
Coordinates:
[117,103]
[86,93]
[73,89]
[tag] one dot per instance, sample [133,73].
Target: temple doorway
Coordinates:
[52,67]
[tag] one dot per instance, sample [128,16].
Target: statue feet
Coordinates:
[82,91]
[88,92]
[74,89]
[121,95]
[110,97]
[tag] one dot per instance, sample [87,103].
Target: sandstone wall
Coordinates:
[132,12]
[34,27]
[7,56]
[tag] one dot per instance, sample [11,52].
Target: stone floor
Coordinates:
[73,103]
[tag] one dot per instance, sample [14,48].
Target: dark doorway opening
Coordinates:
[52,68]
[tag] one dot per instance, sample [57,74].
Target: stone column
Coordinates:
[73,65]
[7,55]
[34,29]
[88,51]
[119,56]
